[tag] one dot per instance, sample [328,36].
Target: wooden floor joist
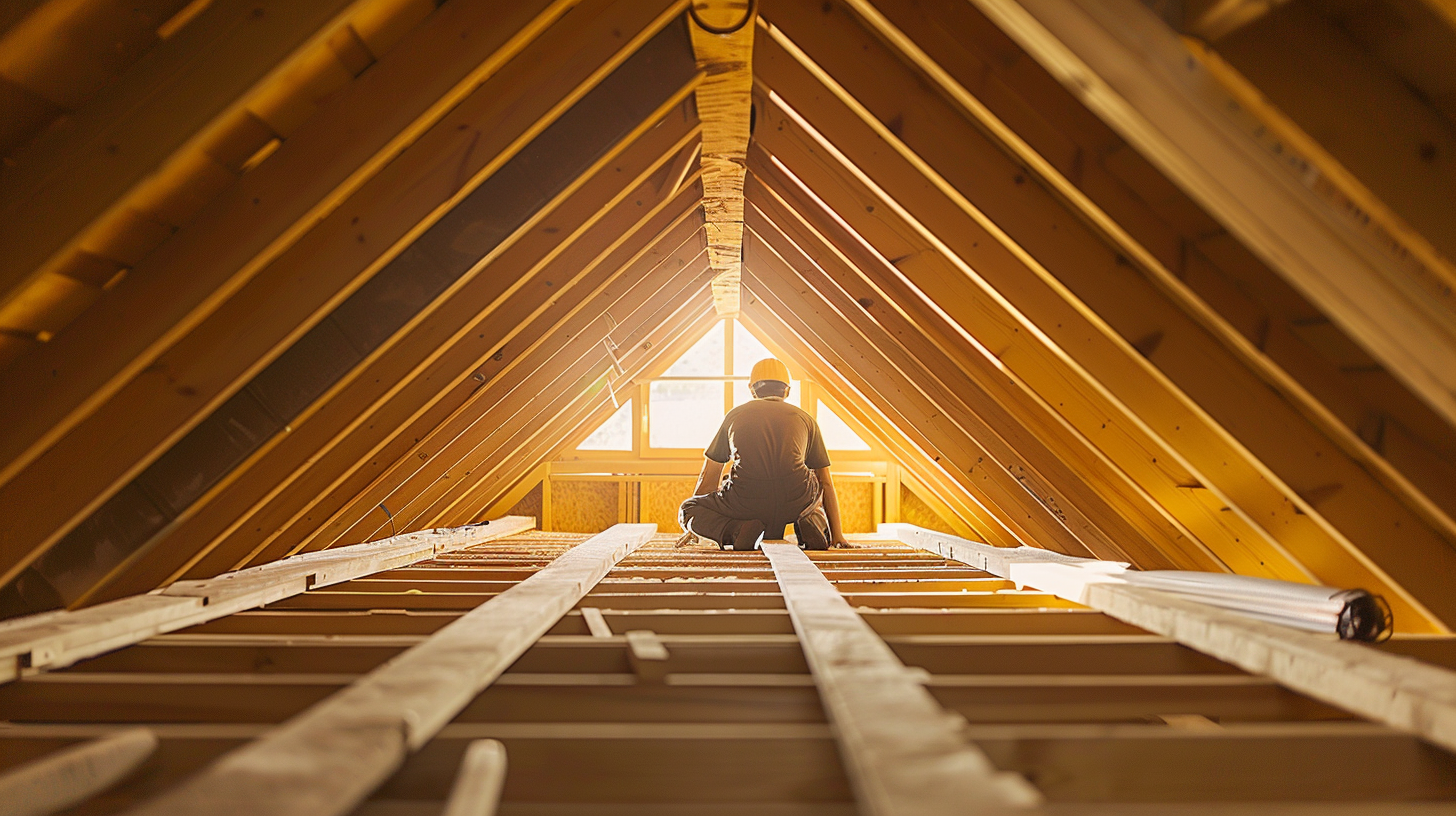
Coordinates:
[653,683]
[903,754]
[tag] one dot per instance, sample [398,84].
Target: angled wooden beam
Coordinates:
[413,223]
[1291,452]
[169,293]
[722,33]
[637,245]
[842,197]
[907,393]
[519,444]
[1404,444]
[478,784]
[439,357]
[1403,314]
[667,342]
[78,177]
[328,759]
[902,751]
[54,640]
[285,529]
[1129,529]
[1155,505]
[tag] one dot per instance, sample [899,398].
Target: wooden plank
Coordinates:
[1399,691]
[722,34]
[59,185]
[339,751]
[902,753]
[57,639]
[1402,316]
[73,775]
[478,784]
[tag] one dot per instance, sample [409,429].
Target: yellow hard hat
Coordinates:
[769,369]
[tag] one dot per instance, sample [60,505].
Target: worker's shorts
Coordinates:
[776,503]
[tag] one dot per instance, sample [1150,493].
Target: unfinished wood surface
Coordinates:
[932,229]
[478,786]
[57,639]
[1404,693]
[901,748]
[74,775]
[1130,69]
[328,759]
[722,34]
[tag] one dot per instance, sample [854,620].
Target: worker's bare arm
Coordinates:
[831,507]
[710,478]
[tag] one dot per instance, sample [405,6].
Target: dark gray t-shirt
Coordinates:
[769,439]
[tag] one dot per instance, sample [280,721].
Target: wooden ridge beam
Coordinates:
[328,759]
[1291,453]
[1404,316]
[1022,455]
[901,750]
[54,640]
[722,33]
[396,208]
[439,359]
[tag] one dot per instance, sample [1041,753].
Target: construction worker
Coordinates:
[780,473]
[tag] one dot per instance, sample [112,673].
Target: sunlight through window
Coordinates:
[837,433]
[613,435]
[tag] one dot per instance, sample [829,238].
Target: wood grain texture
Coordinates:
[328,759]
[900,748]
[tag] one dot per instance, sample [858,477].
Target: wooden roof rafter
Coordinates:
[450,356]
[789,75]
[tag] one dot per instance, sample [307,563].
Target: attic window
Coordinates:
[613,435]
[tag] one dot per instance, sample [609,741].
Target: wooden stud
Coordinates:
[73,775]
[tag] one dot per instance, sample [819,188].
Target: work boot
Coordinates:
[811,535]
[744,535]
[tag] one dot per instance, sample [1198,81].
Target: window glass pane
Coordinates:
[747,350]
[741,394]
[705,358]
[684,414]
[613,435]
[837,433]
